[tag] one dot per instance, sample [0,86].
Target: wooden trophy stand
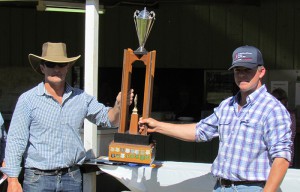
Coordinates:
[134,147]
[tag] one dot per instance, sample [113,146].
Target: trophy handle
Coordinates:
[136,13]
[152,15]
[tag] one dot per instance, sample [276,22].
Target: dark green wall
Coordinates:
[184,35]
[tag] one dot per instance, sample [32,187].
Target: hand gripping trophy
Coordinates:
[129,145]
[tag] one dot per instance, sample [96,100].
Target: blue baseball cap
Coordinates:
[246,56]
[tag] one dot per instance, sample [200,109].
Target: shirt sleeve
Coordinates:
[277,133]
[98,113]
[17,139]
[207,128]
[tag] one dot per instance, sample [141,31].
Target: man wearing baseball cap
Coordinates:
[252,126]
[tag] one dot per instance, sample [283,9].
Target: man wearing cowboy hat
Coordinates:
[45,127]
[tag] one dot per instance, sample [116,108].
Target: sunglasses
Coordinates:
[52,64]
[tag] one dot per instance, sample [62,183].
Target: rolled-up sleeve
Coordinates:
[17,139]
[207,128]
[278,133]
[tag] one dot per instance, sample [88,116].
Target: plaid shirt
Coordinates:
[48,133]
[2,138]
[250,138]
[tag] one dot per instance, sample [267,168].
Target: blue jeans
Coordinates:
[71,181]
[253,187]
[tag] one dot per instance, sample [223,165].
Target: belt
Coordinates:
[59,171]
[229,183]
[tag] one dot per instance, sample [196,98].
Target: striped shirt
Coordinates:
[48,133]
[249,139]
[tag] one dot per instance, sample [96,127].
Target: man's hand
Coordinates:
[129,98]
[14,185]
[114,113]
[149,124]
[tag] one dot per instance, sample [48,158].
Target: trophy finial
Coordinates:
[135,110]
[143,23]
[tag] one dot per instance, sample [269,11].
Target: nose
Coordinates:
[241,73]
[56,68]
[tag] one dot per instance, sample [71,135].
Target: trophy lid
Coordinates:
[144,14]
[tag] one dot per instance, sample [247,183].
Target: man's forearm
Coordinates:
[277,173]
[114,114]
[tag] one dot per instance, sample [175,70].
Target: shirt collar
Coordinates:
[252,98]
[41,89]
[68,90]
[257,94]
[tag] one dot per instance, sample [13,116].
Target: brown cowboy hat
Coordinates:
[53,52]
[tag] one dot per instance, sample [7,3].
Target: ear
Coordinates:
[42,67]
[262,72]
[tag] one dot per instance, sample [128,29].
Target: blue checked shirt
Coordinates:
[2,138]
[250,138]
[47,133]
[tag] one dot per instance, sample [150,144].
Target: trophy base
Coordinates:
[140,51]
[130,153]
[132,139]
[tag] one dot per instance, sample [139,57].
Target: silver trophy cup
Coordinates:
[143,24]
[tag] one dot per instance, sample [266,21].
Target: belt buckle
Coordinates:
[57,171]
[62,170]
[225,183]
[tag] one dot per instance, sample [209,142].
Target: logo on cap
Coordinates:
[243,56]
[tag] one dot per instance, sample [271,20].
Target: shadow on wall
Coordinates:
[14,81]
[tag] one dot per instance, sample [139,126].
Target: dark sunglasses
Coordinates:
[52,64]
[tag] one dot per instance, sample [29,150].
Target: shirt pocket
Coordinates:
[74,117]
[42,119]
[224,129]
[252,133]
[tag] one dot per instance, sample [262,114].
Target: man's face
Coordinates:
[248,80]
[55,73]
